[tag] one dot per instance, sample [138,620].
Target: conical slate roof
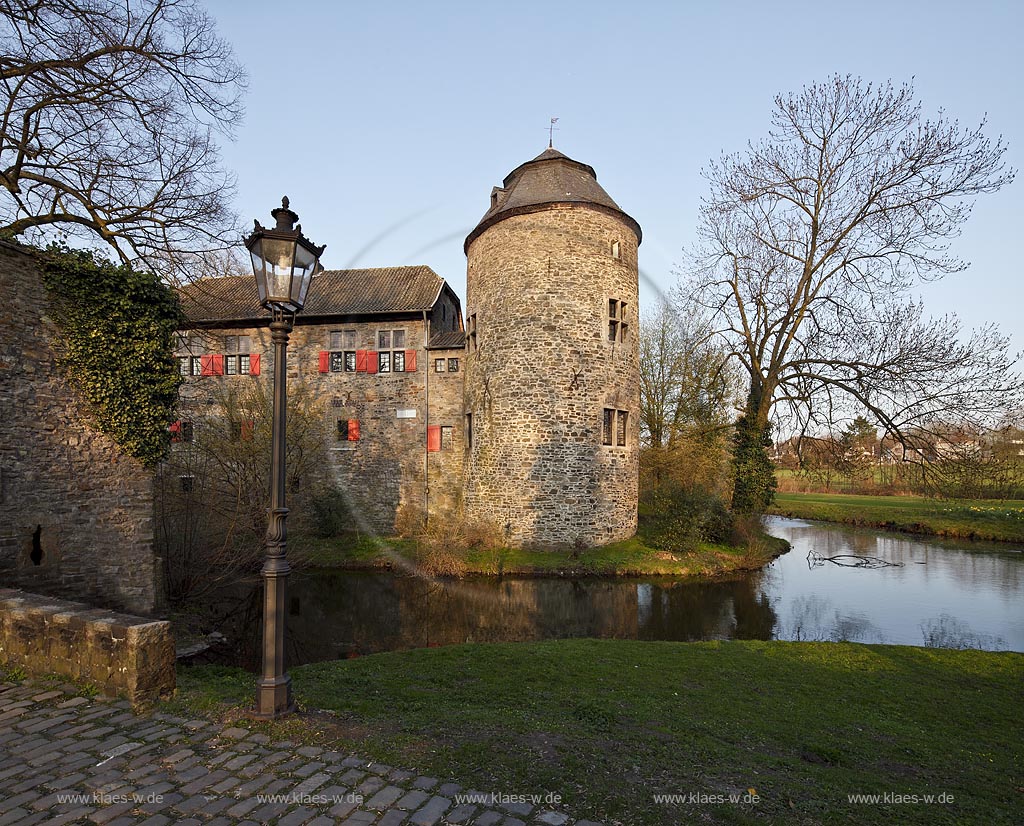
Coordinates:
[550,178]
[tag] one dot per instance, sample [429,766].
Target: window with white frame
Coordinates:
[391,351]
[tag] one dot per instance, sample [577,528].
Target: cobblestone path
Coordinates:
[65,758]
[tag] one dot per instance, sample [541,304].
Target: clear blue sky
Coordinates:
[387,123]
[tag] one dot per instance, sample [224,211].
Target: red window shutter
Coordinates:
[247,430]
[371,361]
[206,365]
[254,364]
[410,361]
[175,429]
[325,362]
[360,361]
[218,364]
[433,438]
[353,430]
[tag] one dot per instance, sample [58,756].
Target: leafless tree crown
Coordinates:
[810,241]
[110,112]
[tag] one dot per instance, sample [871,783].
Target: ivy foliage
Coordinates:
[754,473]
[118,328]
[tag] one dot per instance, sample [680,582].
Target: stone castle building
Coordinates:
[523,415]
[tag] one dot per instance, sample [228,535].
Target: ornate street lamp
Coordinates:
[284,262]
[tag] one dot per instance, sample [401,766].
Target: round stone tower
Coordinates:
[552,390]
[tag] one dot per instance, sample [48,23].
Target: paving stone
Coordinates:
[424,782]
[244,807]
[550,818]
[431,813]
[16,800]
[516,808]
[413,800]
[360,819]
[77,814]
[235,733]
[460,814]
[268,811]
[108,813]
[351,777]
[385,797]
[216,806]
[400,775]
[297,817]
[308,785]
[513,821]
[309,751]
[13,816]
[489,819]
[308,769]
[370,786]
[225,784]
[392,818]
[342,808]
[449,789]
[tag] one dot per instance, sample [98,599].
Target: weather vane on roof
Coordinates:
[551,132]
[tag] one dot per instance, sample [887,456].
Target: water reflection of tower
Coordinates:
[552,372]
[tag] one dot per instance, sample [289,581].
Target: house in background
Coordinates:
[383,348]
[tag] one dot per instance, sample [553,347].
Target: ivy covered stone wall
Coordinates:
[76,513]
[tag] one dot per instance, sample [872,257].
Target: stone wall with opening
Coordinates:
[76,514]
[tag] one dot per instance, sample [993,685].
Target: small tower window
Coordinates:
[616,253]
[617,325]
[471,333]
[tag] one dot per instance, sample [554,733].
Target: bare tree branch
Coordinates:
[107,129]
[810,242]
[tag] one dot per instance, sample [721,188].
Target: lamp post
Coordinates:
[284,262]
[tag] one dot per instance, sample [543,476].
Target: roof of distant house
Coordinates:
[448,340]
[333,292]
[550,178]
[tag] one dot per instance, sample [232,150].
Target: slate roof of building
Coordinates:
[550,178]
[448,340]
[333,292]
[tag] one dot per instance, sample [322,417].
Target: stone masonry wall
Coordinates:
[380,474]
[76,515]
[543,372]
[117,653]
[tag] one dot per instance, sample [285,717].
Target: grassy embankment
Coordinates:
[627,558]
[966,518]
[608,724]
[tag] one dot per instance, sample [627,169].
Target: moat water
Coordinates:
[953,594]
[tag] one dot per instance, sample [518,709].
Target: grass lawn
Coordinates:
[973,519]
[630,557]
[609,724]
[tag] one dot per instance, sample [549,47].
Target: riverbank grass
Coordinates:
[631,557]
[1001,521]
[609,725]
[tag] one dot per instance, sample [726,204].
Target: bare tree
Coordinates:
[810,242]
[109,113]
[687,397]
